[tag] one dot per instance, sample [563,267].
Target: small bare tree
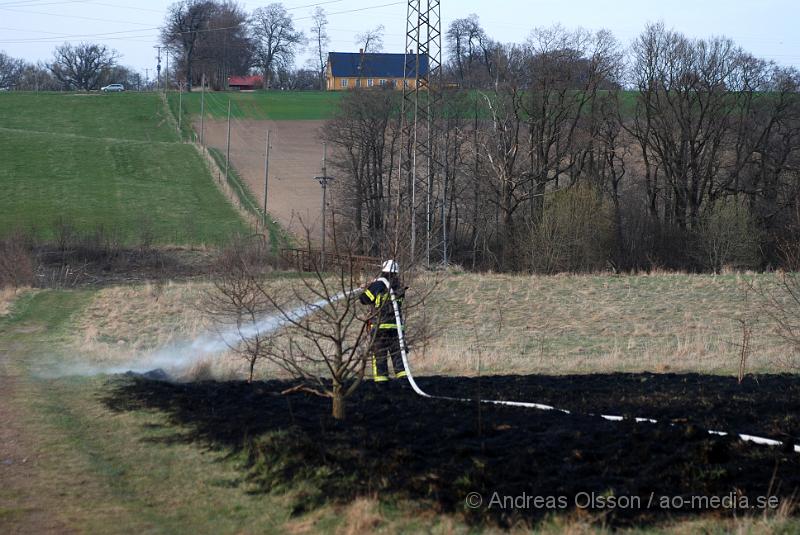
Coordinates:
[316,331]
[780,298]
[323,343]
[238,304]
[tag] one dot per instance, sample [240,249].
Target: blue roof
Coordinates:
[373,65]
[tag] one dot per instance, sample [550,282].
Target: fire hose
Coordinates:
[539,406]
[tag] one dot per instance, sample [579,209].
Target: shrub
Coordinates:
[727,237]
[17,262]
[574,234]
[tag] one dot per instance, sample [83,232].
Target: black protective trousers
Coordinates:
[386,344]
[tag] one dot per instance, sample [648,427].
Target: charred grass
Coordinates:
[432,453]
[234,457]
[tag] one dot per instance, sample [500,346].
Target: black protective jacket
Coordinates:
[377,295]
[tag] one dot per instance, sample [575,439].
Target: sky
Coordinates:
[31,29]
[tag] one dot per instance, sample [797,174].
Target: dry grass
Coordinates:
[7,298]
[579,324]
[127,324]
[141,318]
[493,324]
[361,516]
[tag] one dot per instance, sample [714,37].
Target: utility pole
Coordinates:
[266,178]
[323,181]
[444,221]
[180,106]
[158,68]
[228,149]
[203,113]
[166,72]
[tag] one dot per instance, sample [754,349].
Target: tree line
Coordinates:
[74,67]
[203,38]
[570,152]
[215,40]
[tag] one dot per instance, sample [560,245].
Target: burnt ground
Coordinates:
[403,447]
[103,266]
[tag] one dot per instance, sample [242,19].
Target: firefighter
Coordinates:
[385,338]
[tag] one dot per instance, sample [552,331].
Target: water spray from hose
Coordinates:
[182,356]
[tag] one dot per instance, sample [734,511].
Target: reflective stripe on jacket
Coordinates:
[378,295]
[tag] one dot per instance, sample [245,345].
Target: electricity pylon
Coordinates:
[422,102]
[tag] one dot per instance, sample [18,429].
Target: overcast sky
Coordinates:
[30,29]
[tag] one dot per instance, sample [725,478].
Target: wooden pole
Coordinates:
[266,178]
[324,197]
[203,112]
[228,144]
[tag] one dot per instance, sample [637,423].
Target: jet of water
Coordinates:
[183,355]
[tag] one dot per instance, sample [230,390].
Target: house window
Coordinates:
[358,82]
[370,82]
[383,83]
[345,82]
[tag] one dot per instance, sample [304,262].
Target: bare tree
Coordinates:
[10,70]
[467,44]
[372,40]
[683,115]
[37,77]
[323,346]
[238,303]
[319,35]
[186,21]
[225,49]
[275,40]
[365,135]
[82,66]
[779,298]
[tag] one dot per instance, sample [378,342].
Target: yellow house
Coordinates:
[358,70]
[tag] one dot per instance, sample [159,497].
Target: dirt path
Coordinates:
[294,196]
[23,509]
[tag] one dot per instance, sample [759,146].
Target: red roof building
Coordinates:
[245,83]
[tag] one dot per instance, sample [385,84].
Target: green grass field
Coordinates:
[111,161]
[291,105]
[261,105]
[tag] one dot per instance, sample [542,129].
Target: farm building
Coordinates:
[348,70]
[245,83]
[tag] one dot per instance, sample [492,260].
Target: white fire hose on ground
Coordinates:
[746,438]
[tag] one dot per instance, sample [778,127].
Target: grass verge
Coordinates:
[278,237]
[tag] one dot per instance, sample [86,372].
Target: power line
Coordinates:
[154,28]
[314,5]
[60,15]
[35,3]
[78,36]
[354,10]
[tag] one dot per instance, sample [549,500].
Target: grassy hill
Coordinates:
[260,105]
[112,161]
[290,105]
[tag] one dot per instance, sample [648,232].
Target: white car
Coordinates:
[113,88]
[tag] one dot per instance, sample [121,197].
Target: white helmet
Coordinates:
[390,266]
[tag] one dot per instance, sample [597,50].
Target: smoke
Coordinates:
[181,356]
